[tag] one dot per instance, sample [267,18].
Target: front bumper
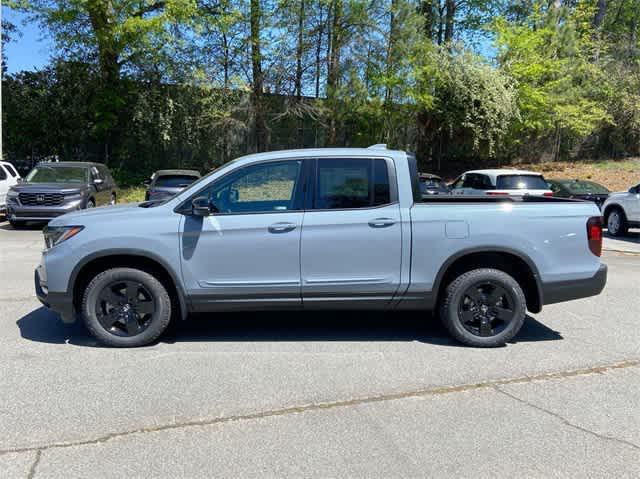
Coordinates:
[560,291]
[61,303]
[18,212]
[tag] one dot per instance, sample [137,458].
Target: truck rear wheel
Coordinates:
[126,307]
[483,308]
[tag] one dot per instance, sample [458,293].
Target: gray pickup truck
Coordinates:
[320,229]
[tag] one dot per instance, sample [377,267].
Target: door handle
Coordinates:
[283,227]
[381,222]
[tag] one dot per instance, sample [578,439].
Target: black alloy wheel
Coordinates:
[486,309]
[125,308]
[483,308]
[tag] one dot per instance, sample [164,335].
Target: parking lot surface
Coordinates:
[302,394]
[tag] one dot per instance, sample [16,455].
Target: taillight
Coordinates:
[497,193]
[548,193]
[594,234]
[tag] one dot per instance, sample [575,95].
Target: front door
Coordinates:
[351,235]
[248,254]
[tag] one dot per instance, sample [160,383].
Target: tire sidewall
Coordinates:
[160,297]
[456,295]
[619,231]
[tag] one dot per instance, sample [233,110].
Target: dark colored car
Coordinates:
[166,183]
[53,189]
[580,190]
[432,185]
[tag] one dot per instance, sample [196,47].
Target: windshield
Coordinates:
[581,187]
[175,181]
[57,174]
[431,183]
[521,182]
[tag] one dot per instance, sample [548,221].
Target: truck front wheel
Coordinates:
[126,307]
[483,308]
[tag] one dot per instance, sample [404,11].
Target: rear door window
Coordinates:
[521,182]
[3,174]
[351,183]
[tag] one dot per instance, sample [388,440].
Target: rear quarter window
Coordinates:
[521,182]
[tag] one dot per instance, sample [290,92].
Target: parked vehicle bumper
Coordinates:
[560,291]
[61,303]
[17,212]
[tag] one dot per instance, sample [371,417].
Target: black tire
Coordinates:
[91,203]
[99,313]
[490,331]
[114,199]
[18,225]
[616,222]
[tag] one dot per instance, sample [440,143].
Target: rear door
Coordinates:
[101,190]
[351,234]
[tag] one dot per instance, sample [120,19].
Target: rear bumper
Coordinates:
[61,303]
[561,291]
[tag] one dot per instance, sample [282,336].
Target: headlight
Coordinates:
[54,235]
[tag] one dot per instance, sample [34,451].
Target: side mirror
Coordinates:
[98,181]
[146,182]
[234,195]
[201,206]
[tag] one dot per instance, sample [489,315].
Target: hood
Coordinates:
[48,187]
[618,194]
[103,213]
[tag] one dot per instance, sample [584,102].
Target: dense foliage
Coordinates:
[149,83]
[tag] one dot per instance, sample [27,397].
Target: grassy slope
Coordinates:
[617,175]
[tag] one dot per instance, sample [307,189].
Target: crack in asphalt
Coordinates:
[434,391]
[34,465]
[565,421]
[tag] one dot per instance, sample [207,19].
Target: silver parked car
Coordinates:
[166,183]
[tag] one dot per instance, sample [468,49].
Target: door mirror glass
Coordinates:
[98,181]
[146,182]
[201,206]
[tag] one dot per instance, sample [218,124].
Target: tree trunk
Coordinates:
[390,50]
[318,50]
[601,9]
[300,49]
[334,67]
[258,79]
[427,9]
[450,15]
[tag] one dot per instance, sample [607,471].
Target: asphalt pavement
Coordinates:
[332,395]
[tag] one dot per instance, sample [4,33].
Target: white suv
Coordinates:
[622,211]
[501,182]
[9,176]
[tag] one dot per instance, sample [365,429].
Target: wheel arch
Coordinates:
[91,265]
[515,263]
[612,206]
